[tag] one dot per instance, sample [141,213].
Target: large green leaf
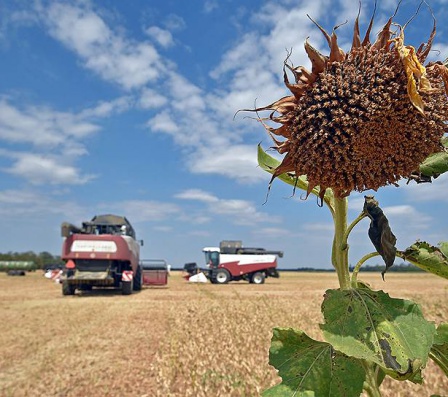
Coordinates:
[439,350]
[436,163]
[312,368]
[433,166]
[429,258]
[373,326]
[269,164]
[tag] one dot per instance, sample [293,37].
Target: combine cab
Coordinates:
[102,253]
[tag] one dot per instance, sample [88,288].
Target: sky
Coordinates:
[130,108]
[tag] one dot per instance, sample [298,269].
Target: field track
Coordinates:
[181,340]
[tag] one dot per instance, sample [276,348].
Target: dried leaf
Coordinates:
[415,72]
[380,233]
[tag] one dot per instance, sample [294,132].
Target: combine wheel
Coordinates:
[222,276]
[138,279]
[258,278]
[68,289]
[126,287]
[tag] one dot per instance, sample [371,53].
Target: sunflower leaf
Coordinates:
[380,232]
[370,325]
[429,258]
[439,350]
[312,368]
[433,166]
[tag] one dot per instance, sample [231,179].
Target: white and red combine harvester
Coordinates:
[102,253]
[233,262]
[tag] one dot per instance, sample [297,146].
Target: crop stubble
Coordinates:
[181,340]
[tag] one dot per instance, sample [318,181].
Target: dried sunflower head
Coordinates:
[362,119]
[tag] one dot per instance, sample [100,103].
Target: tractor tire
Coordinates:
[222,276]
[68,289]
[126,287]
[258,278]
[138,279]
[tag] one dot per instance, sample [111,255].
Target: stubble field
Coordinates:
[181,340]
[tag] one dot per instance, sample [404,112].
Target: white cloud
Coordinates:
[210,5]
[240,212]
[108,108]
[238,161]
[163,37]
[197,194]
[41,126]
[109,54]
[38,170]
[186,96]
[151,99]
[175,22]
[17,197]
[16,203]
[144,210]
[52,141]
[163,122]
[407,215]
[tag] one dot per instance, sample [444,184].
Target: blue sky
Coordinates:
[128,108]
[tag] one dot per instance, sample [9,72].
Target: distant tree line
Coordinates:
[41,260]
[402,267]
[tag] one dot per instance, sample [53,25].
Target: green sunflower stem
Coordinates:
[371,383]
[359,218]
[357,268]
[340,247]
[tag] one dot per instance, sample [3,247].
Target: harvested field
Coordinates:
[182,340]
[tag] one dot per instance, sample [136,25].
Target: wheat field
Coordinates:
[180,340]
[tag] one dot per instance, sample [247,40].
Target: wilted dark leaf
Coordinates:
[380,233]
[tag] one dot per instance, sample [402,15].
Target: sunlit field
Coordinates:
[181,340]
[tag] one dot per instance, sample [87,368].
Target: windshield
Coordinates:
[212,258]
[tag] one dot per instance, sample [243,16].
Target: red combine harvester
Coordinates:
[233,262]
[104,253]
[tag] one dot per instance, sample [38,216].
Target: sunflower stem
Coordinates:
[359,218]
[340,248]
[357,268]
[371,385]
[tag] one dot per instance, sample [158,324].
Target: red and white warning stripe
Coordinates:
[127,275]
